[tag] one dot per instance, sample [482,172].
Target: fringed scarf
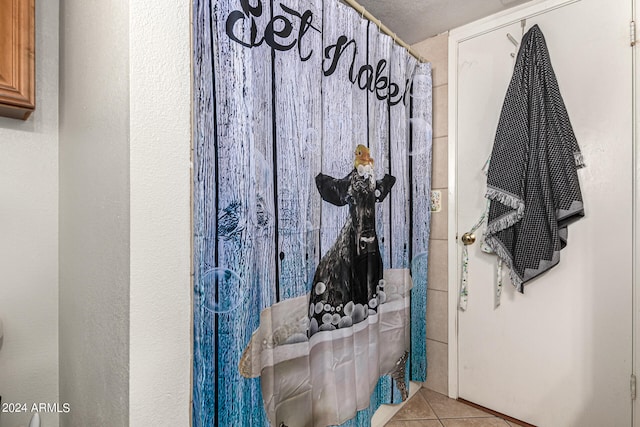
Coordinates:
[532,182]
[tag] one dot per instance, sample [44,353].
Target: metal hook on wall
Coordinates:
[515,43]
[523,24]
[512,40]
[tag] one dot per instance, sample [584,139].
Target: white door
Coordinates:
[561,353]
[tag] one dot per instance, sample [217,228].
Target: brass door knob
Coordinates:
[468,239]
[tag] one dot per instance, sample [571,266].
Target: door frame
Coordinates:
[476,29]
[635,13]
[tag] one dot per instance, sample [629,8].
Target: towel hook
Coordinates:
[515,43]
[523,24]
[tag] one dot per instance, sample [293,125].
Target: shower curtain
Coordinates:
[311,204]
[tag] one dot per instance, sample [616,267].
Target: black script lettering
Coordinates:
[306,20]
[382,81]
[335,51]
[394,90]
[368,83]
[279,34]
[277,30]
[380,84]
[284,32]
[386,89]
[235,16]
[408,87]
[305,24]
[251,10]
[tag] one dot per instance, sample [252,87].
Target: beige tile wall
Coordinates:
[435,50]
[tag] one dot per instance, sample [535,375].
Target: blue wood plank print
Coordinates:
[312,166]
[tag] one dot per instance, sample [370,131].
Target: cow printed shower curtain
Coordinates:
[312,166]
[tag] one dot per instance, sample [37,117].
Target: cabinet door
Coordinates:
[17,58]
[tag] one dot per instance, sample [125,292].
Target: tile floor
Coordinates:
[430,409]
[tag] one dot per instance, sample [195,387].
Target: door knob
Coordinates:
[468,239]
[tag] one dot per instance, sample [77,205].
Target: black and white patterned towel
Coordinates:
[532,182]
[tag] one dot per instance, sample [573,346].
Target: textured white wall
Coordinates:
[94,212]
[125,131]
[160,340]
[29,237]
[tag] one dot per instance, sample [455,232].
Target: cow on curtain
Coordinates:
[348,284]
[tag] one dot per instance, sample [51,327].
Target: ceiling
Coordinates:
[416,20]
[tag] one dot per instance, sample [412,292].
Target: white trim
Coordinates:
[457,36]
[453,220]
[506,18]
[635,407]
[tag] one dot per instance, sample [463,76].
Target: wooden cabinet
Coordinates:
[17,58]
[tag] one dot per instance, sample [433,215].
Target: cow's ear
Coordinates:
[383,187]
[333,190]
